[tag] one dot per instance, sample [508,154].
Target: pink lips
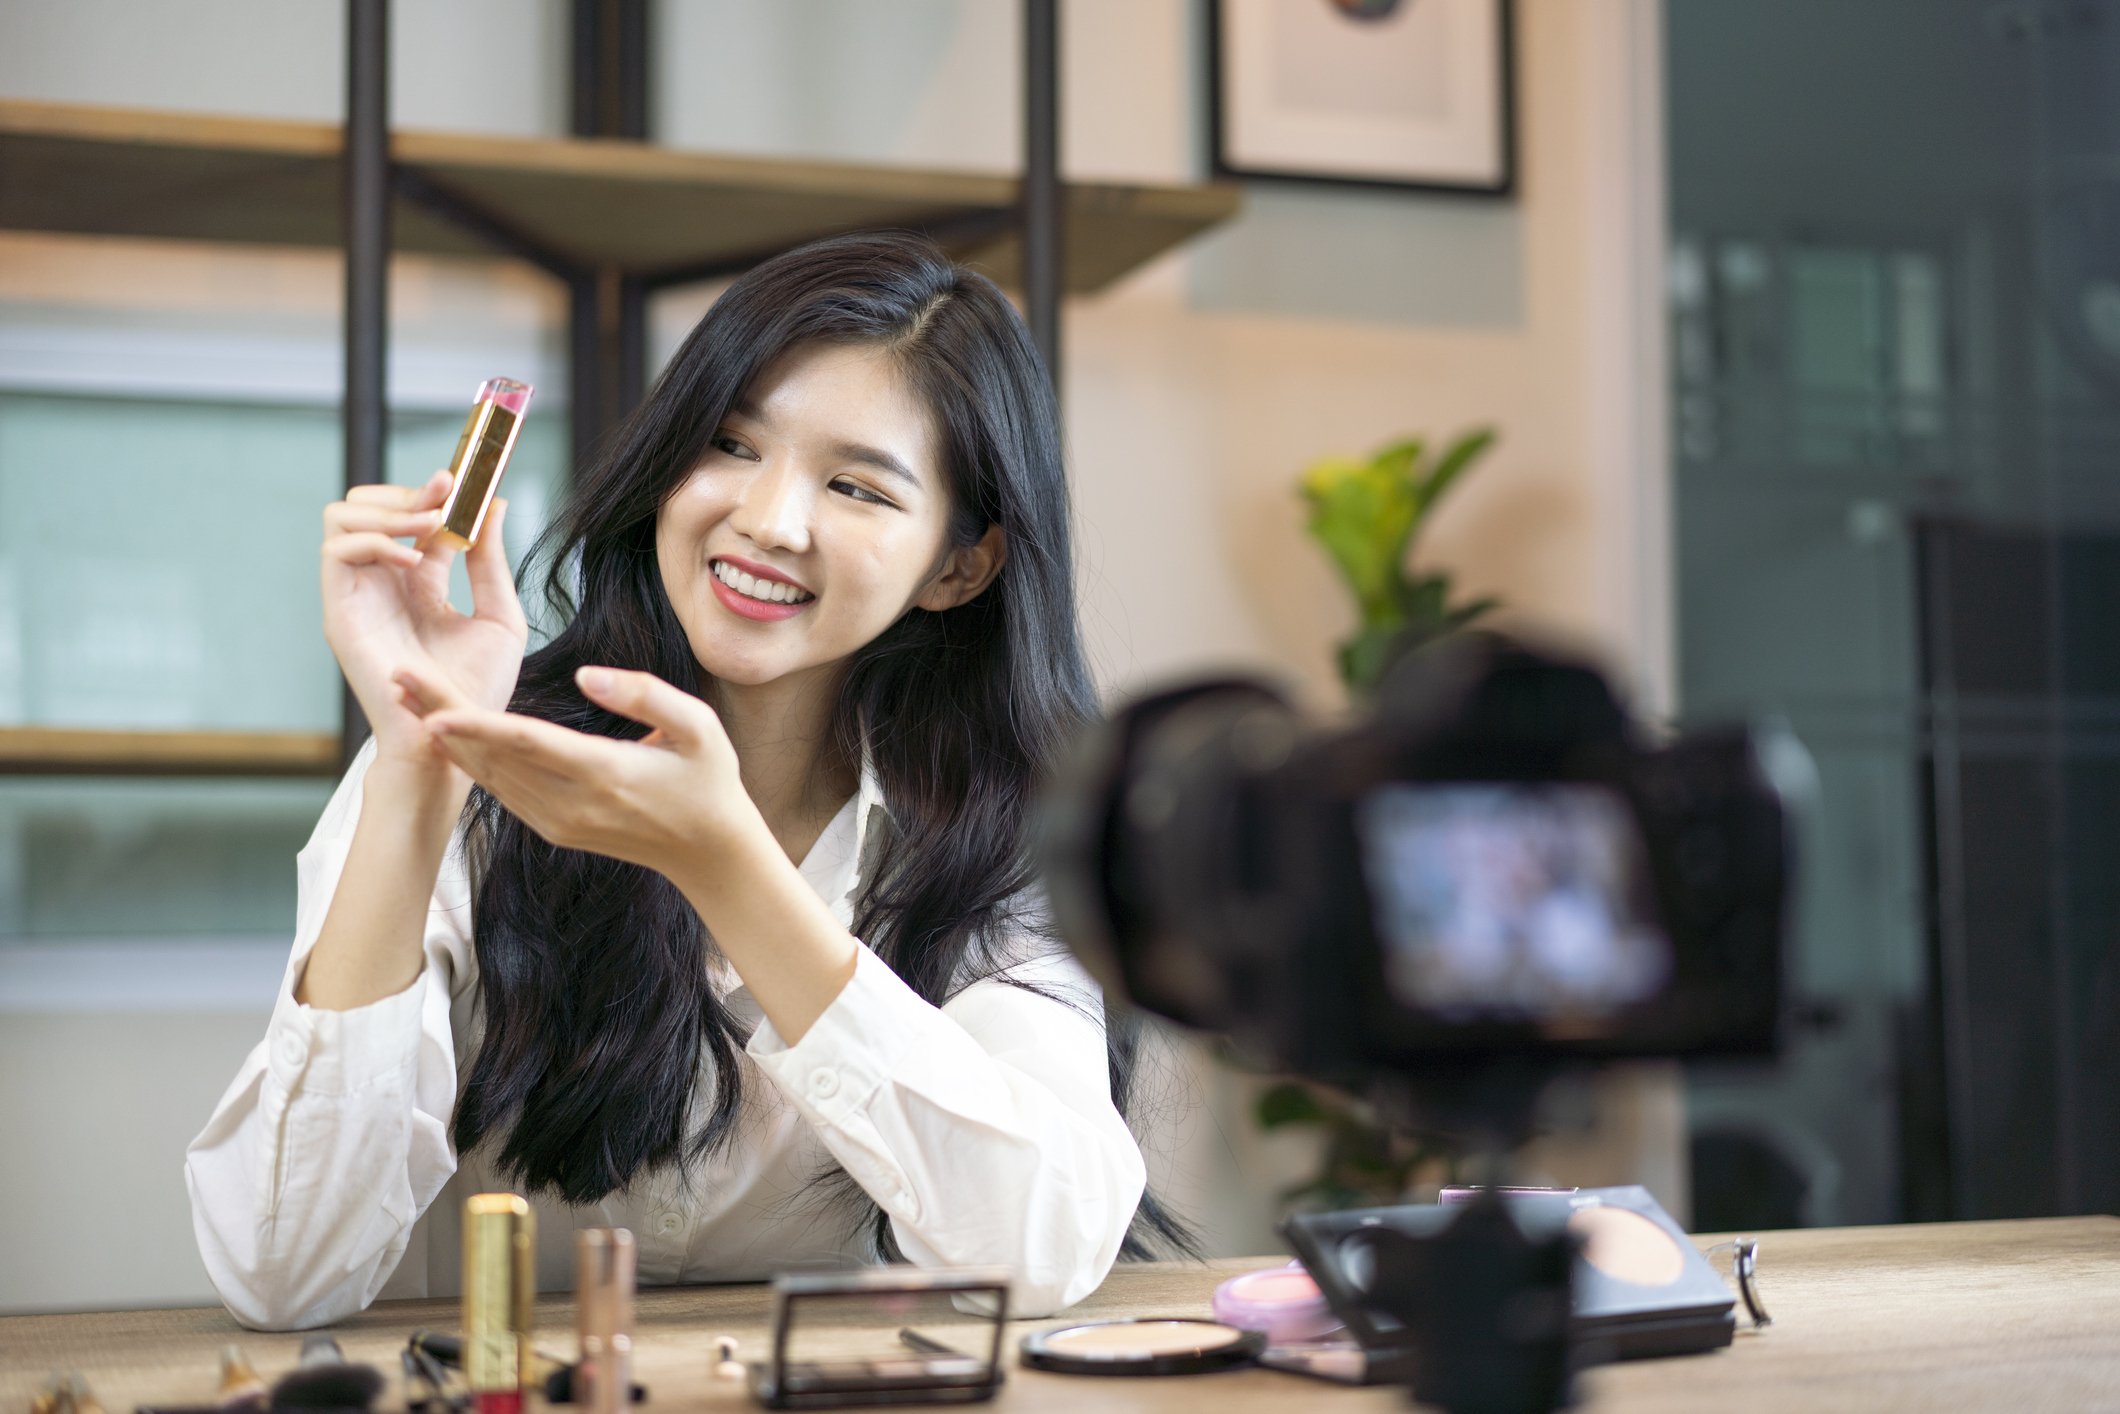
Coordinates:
[750,608]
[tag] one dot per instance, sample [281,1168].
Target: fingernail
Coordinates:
[593,679]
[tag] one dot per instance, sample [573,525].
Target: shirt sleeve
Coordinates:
[334,1136]
[984,1128]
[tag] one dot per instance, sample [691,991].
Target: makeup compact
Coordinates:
[1148,1346]
[1281,1303]
[884,1335]
[1641,1287]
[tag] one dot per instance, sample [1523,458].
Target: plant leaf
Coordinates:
[1452,464]
[1359,515]
[1290,1102]
[1399,459]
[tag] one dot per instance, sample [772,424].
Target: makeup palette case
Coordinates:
[1641,1287]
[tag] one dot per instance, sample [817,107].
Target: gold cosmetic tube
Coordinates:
[603,1274]
[500,1278]
[481,456]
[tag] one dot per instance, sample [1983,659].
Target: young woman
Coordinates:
[723,929]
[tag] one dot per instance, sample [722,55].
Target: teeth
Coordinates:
[750,586]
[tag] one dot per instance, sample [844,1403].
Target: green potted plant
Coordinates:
[1367,514]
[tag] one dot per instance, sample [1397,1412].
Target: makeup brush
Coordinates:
[64,1394]
[325,1379]
[243,1390]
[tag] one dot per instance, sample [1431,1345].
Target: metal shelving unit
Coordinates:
[612,215]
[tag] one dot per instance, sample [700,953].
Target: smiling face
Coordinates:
[817,516]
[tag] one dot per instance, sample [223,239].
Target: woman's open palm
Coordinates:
[386,607]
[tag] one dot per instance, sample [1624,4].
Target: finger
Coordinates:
[531,791]
[431,576]
[370,548]
[529,741]
[644,697]
[382,493]
[493,593]
[431,492]
[343,516]
[427,692]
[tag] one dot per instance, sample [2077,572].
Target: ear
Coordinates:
[965,573]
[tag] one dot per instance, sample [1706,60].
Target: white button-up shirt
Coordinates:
[326,1177]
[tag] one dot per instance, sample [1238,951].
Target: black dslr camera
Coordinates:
[1494,864]
[1489,876]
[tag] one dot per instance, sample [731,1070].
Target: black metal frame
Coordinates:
[1042,216]
[1218,153]
[607,307]
[365,220]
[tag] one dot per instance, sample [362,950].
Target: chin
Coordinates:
[743,675]
[736,669]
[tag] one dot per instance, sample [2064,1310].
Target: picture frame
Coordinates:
[1408,95]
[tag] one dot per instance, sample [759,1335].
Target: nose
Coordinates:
[774,510]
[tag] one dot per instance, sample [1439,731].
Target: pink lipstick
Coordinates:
[738,602]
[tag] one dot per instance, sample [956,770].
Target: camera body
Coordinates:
[1492,866]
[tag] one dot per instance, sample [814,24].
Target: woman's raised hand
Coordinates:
[386,608]
[671,801]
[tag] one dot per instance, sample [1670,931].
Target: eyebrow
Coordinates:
[859,452]
[878,458]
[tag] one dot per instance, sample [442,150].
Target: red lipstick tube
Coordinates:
[500,1278]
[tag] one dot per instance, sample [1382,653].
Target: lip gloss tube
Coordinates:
[603,1273]
[481,455]
[500,1277]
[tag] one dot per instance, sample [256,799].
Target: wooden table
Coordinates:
[1960,1316]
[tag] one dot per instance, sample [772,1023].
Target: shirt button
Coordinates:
[824,1084]
[669,1224]
[292,1051]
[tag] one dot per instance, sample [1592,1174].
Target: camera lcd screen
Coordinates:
[1510,903]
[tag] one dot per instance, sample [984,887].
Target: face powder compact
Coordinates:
[1641,1286]
[1282,1303]
[1149,1346]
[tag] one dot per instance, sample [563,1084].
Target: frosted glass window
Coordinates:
[96,857]
[158,560]
[158,570]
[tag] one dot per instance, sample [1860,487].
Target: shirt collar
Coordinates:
[868,803]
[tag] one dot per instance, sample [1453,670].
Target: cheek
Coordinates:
[890,570]
[682,524]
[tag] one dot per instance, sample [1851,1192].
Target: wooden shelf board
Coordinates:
[82,751]
[633,206]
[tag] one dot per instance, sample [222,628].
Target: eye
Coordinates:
[723,442]
[859,492]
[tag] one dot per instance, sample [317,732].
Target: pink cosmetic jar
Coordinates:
[1283,1302]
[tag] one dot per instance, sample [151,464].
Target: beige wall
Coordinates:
[1188,425]
[1318,322]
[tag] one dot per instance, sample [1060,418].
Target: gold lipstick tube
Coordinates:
[500,1279]
[603,1273]
[481,455]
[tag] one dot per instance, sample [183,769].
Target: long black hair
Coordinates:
[596,1004]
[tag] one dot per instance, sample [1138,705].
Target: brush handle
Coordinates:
[321,1349]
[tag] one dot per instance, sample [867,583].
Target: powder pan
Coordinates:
[1149,1345]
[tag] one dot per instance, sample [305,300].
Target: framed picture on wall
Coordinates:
[1397,93]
